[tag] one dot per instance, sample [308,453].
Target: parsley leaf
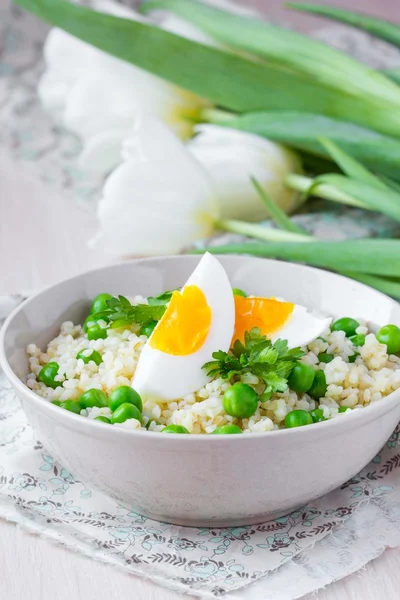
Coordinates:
[161,299]
[272,363]
[121,312]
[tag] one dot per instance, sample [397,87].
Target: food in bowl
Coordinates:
[206,359]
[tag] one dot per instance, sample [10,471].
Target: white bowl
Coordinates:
[193,479]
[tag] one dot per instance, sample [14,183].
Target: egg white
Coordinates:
[301,328]
[162,377]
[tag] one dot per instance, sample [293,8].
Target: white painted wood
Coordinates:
[43,239]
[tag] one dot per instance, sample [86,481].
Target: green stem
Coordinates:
[260,232]
[300,183]
[216,116]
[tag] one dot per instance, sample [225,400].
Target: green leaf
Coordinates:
[281,346]
[370,256]
[393,74]
[235,82]
[316,165]
[265,355]
[296,51]
[142,313]
[237,349]
[303,131]
[395,185]
[260,232]
[278,383]
[385,201]
[378,27]
[161,299]
[275,212]
[232,81]
[306,186]
[350,166]
[124,302]
[270,362]
[112,303]
[121,312]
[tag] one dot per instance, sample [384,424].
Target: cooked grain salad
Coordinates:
[190,362]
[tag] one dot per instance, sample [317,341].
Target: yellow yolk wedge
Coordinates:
[268,314]
[178,333]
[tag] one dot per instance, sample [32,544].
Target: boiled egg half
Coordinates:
[198,321]
[277,320]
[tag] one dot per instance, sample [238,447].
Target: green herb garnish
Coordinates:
[161,299]
[272,363]
[121,312]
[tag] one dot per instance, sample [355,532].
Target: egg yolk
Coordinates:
[185,324]
[267,314]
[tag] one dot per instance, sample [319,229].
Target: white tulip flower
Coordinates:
[158,200]
[100,97]
[231,157]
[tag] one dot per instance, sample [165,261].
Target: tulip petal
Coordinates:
[158,201]
[102,152]
[232,157]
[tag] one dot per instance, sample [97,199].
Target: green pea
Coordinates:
[353,357]
[93,397]
[325,357]
[240,400]
[390,335]
[91,321]
[48,373]
[94,356]
[343,409]
[318,388]
[124,395]
[301,378]
[239,292]
[225,429]
[317,415]
[100,303]
[72,406]
[56,402]
[95,332]
[346,324]
[126,411]
[148,329]
[102,419]
[298,418]
[175,429]
[358,339]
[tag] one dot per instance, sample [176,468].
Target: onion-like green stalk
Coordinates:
[260,232]
[276,213]
[378,27]
[316,61]
[368,256]
[303,184]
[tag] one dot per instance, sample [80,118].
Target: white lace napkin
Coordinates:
[279,560]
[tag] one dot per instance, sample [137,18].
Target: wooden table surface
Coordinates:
[42,240]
